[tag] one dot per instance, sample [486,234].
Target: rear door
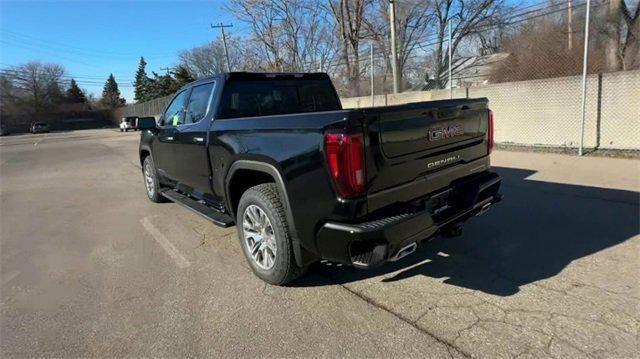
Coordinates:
[191,161]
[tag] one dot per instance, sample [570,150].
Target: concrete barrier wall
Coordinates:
[548,112]
[619,125]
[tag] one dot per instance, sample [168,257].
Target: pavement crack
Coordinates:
[444,342]
[459,334]
[203,240]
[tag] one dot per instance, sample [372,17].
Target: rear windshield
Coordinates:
[276,97]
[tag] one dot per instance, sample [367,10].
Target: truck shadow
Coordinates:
[533,234]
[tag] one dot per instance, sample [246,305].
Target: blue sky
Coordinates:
[94,38]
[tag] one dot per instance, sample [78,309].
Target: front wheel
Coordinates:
[264,235]
[151,182]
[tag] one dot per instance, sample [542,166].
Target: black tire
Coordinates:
[153,189]
[267,198]
[121,130]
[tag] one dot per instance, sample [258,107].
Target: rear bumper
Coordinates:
[378,240]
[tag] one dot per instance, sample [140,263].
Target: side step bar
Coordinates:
[218,218]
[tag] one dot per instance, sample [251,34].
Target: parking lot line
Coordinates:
[172,251]
[9,277]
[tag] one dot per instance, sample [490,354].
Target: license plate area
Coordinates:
[440,202]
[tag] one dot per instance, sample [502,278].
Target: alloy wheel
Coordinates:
[259,237]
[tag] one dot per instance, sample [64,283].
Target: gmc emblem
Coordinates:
[441,133]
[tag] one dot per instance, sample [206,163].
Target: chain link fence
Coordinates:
[154,107]
[531,69]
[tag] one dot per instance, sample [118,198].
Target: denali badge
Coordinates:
[440,133]
[442,162]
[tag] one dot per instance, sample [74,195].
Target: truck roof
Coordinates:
[257,76]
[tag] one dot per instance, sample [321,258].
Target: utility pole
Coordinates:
[585,60]
[167,69]
[371,70]
[394,55]
[570,25]
[224,41]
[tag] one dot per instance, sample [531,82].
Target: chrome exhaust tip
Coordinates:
[404,251]
[484,209]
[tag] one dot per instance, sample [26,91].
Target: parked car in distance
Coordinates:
[39,127]
[129,123]
[305,180]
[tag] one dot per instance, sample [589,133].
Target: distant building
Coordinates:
[468,71]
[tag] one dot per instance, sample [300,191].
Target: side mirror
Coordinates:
[147,123]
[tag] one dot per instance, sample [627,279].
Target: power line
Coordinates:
[510,20]
[16,68]
[73,49]
[430,40]
[62,78]
[17,71]
[483,27]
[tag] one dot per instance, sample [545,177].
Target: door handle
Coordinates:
[198,139]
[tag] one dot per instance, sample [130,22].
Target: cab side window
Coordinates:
[198,103]
[174,115]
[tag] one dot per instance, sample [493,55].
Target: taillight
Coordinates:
[490,131]
[345,159]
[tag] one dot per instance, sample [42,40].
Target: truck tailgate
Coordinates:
[414,142]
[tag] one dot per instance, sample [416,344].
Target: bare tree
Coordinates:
[7,97]
[349,19]
[210,59]
[37,85]
[538,50]
[631,45]
[289,35]
[622,31]
[468,17]
[412,26]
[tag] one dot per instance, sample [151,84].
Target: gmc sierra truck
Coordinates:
[305,180]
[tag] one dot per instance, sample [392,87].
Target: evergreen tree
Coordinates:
[162,85]
[142,83]
[182,76]
[111,94]
[75,94]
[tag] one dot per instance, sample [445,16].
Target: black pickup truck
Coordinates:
[304,179]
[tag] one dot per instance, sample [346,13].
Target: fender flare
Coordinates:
[284,196]
[148,150]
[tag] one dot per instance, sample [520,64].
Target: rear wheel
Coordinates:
[151,182]
[264,235]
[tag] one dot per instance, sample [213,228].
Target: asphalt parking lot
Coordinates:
[89,267]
